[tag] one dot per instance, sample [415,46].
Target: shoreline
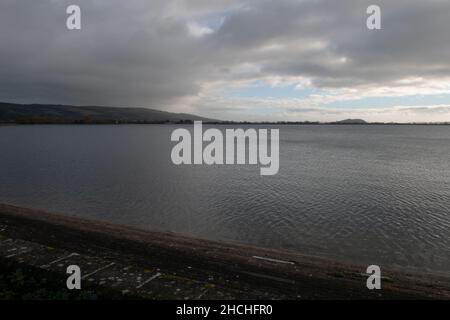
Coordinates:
[282,124]
[199,269]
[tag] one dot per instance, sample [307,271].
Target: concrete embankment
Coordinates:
[122,262]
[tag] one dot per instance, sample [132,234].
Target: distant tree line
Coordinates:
[35,120]
[89,120]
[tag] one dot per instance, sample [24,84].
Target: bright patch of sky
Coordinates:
[383,102]
[215,20]
[259,89]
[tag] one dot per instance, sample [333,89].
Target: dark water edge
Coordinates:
[187,268]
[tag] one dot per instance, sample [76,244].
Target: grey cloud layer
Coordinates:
[141,53]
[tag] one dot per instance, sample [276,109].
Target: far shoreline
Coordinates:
[281,124]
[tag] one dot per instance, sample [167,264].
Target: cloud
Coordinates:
[198,30]
[184,55]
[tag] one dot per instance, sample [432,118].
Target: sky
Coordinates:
[253,60]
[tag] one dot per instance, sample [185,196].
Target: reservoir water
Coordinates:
[360,194]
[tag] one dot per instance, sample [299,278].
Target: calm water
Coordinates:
[365,194]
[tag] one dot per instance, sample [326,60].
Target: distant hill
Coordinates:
[39,114]
[351,121]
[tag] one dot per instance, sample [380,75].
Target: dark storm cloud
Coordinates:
[146,53]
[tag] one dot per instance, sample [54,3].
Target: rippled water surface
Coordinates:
[365,194]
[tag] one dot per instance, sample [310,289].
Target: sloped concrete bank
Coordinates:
[122,262]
